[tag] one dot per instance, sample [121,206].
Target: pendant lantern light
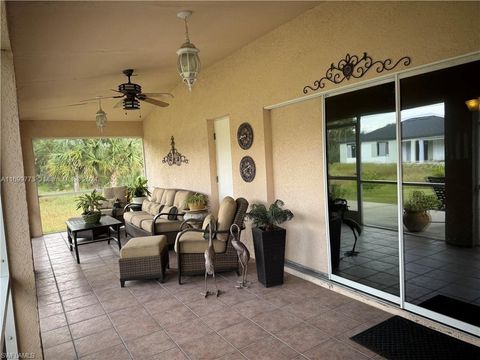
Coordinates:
[188,62]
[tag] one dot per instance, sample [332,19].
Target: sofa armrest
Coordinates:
[129,205]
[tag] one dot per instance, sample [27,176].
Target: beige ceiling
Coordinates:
[65,52]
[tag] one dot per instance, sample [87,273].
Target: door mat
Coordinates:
[401,339]
[454,308]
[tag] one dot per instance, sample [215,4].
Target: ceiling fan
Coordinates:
[131,95]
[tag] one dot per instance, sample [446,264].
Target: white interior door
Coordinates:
[223,151]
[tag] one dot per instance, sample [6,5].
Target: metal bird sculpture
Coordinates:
[242,252]
[210,263]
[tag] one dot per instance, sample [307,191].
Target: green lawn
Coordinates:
[381,193]
[55,210]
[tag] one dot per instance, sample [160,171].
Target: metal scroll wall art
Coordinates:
[356,67]
[174,157]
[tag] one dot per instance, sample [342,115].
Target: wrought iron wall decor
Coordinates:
[245,136]
[174,157]
[247,169]
[356,67]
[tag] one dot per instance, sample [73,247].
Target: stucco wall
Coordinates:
[31,130]
[275,68]
[15,212]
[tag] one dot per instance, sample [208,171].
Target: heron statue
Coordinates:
[210,263]
[242,252]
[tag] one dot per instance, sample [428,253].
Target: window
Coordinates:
[351,151]
[382,148]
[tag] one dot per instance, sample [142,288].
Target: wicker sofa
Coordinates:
[162,214]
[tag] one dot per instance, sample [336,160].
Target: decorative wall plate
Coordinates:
[247,169]
[245,136]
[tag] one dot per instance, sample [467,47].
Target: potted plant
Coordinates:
[138,191]
[90,203]
[416,216]
[269,241]
[197,201]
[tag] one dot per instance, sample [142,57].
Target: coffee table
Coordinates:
[76,225]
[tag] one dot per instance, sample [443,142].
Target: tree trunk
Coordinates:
[113,179]
[76,183]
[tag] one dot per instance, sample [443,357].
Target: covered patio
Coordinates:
[254,122]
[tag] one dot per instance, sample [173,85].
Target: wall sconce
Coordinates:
[174,157]
[473,104]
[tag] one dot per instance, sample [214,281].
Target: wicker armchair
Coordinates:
[190,244]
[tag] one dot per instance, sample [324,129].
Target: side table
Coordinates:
[197,215]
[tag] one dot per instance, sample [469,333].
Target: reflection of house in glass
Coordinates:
[423,141]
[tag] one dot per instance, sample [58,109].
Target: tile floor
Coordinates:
[84,314]
[432,266]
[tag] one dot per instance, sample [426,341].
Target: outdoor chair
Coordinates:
[192,242]
[439,189]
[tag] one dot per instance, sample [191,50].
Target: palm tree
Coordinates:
[91,161]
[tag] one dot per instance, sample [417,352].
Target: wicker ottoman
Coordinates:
[144,258]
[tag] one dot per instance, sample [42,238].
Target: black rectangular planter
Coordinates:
[269,255]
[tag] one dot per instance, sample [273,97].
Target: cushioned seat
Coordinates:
[143,258]
[194,242]
[143,246]
[164,225]
[128,216]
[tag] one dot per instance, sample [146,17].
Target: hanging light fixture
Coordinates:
[473,104]
[188,62]
[101,116]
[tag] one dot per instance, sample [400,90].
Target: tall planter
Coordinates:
[269,255]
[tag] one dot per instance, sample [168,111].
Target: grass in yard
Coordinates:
[55,210]
[381,193]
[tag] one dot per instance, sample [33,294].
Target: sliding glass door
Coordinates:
[418,128]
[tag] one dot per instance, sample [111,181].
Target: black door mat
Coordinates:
[402,339]
[454,308]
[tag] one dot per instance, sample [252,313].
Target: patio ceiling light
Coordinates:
[188,62]
[473,104]
[101,116]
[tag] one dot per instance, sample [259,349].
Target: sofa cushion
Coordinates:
[181,197]
[107,204]
[226,214]
[157,195]
[130,214]
[138,219]
[155,208]
[143,246]
[161,225]
[168,197]
[194,243]
[146,205]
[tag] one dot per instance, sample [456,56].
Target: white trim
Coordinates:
[7,327]
[366,289]
[441,64]
[442,319]
[10,332]
[401,254]
[325,186]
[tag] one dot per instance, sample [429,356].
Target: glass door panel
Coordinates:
[440,174]
[362,163]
